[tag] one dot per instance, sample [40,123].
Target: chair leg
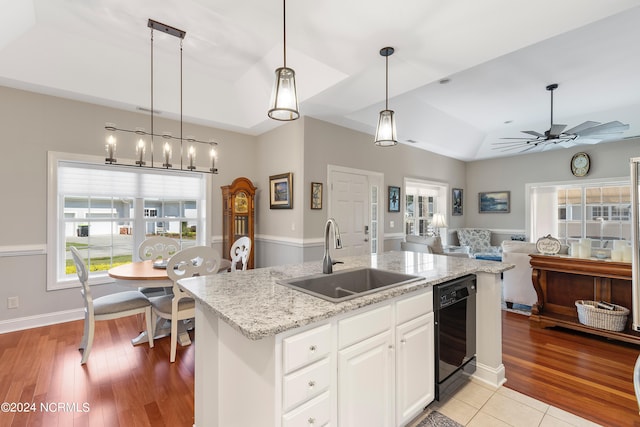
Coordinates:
[174,339]
[89,331]
[85,333]
[150,329]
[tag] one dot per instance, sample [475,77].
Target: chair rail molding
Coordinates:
[23,250]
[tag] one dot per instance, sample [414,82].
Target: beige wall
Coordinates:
[329,144]
[33,124]
[608,160]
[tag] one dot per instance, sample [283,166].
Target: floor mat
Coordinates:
[436,419]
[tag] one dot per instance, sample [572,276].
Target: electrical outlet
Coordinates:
[392,224]
[12,302]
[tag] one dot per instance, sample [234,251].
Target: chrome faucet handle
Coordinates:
[336,262]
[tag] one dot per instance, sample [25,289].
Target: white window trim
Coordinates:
[53,251]
[442,187]
[529,188]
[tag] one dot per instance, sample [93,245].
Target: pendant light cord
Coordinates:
[284,31]
[386,93]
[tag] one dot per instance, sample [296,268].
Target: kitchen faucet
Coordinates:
[327,264]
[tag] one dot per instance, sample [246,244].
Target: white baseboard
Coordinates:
[39,320]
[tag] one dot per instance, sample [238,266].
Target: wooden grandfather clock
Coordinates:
[238,214]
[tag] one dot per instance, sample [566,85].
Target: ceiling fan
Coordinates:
[588,132]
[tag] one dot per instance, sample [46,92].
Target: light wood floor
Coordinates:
[137,386]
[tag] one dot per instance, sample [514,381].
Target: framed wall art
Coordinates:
[494,202]
[316,195]
[281,191]
[456,201]
[394,199]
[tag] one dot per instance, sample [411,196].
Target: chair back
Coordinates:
[83,276]
[193,261]
[158,247]
[240,253]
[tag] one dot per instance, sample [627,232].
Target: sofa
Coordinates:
[517,287]
[431,245]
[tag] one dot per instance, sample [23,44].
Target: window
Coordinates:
[422,200]
[108,211]
[600,211]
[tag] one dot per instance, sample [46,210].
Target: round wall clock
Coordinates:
[580,164]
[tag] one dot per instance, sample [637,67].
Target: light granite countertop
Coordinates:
[253,303]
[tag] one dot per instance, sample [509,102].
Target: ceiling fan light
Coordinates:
[386,130]
[284,98]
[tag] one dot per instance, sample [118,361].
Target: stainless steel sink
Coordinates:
[347,284]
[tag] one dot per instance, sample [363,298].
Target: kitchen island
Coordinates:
[255,338]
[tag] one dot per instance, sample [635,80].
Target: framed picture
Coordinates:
[316,195]
[394,199]
[456,201]
[281,191]
[494,202]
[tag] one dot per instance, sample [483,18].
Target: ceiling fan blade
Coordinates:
[610,128]
[583,126]
[590,140]
[534,133]
[556,129]
[567,143]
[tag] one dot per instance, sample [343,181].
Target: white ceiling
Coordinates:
[499,54]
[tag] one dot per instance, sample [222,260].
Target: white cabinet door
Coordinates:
[365,383]
[415,375]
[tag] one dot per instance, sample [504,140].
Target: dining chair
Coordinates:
[193,261]
[154,248]
[239,252]
[158,247]
[113,306]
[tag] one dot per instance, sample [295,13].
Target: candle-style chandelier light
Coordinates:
[146,157]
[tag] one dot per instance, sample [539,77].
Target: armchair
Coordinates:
[478,240]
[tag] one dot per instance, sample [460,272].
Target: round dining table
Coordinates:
[144,274]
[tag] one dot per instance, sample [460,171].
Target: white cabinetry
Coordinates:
[415,377]
[365,369]
[386,363]
[307,379]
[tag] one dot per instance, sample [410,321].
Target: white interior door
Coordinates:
[349,206]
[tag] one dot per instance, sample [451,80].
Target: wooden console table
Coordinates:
[560,281]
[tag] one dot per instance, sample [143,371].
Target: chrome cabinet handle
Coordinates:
[312,383]
[312,348]
[311,420]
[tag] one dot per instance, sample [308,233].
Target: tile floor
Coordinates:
[475,404]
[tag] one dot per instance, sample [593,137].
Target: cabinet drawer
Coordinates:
[415,306]
[306,383]
[306,347]
[364,325]
[314,413]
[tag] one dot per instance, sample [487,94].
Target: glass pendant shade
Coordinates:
[284,98]
[386,130]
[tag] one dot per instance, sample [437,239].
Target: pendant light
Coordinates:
[284,98]
[386,130]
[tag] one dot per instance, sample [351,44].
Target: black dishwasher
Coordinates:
[455,328]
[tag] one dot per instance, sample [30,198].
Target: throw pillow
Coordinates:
[479,240]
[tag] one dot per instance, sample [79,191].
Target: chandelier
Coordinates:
[147,154]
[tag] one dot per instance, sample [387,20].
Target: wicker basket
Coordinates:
[612,320]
